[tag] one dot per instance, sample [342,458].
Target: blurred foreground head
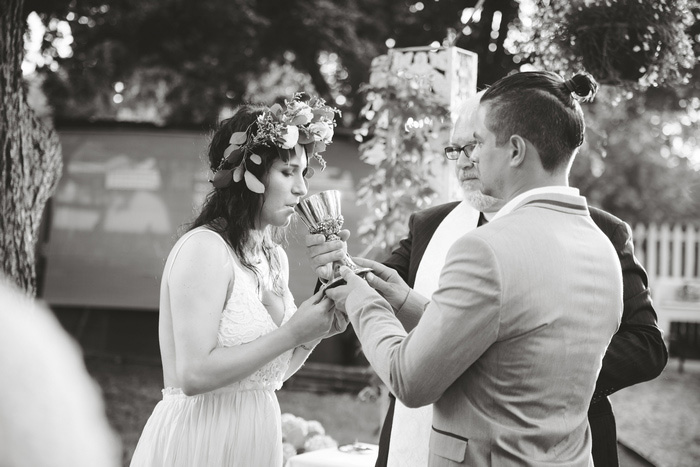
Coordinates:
[51,411]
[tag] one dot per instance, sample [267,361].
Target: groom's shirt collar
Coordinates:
[546,194]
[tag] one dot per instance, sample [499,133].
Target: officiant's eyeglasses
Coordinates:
[453,152]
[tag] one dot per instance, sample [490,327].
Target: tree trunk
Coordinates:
[30,161]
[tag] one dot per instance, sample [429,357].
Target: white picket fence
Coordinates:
[670,255]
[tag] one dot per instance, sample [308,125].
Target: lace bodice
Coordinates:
[245,318]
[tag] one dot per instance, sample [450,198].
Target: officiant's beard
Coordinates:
[471,190]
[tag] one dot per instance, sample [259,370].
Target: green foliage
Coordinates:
[403,118]
[484,37]
[639,162]
[183,62]
[189,60]
[193,52]
[637,43]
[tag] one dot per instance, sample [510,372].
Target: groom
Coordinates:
[419,259]
[512,341]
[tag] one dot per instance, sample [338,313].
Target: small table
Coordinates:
[353,455]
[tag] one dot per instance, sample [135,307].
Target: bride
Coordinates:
[229,331]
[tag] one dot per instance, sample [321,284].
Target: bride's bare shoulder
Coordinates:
[199,247]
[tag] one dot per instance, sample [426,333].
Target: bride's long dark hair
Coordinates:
[233,211]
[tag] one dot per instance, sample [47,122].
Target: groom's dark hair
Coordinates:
[543,108]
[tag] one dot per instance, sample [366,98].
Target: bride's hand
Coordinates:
[313,319]
[322,253]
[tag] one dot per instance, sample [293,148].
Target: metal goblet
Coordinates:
[321,214]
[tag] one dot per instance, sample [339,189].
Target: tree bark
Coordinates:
[30,157]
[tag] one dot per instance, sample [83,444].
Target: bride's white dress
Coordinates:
[235,426]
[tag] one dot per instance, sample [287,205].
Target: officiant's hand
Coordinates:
[322,253]
[386,281]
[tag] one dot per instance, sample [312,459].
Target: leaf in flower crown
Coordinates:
[238,138]
[309,172]
[229,149]
[233,155]
[301,119]
[221,178]
[321,161]
[283,153]
[276,110]
[238,173]
[326,113]
[253,184]
[255,159]
[305,136]
[310,148]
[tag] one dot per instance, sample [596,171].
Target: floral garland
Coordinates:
[299,124]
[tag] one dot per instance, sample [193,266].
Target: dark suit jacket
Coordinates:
[636,352]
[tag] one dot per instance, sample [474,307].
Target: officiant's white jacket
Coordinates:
[510,345]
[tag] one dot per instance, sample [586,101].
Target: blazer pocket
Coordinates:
[448,445]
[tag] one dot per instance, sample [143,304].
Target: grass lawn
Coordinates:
[132,390]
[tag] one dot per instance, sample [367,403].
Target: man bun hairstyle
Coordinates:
[582,86]
[543,108]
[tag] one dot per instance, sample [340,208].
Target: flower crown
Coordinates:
[308,124]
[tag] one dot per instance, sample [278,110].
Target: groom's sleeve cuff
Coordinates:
[412,309]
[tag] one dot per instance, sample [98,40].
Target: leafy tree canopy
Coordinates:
[183,63]
[188,60]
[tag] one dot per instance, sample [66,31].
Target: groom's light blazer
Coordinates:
[509,347]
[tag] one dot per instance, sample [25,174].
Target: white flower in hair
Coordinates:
[321,131]
[289,138]
[298,113]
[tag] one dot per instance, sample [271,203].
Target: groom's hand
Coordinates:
[340,323]
[386,281]
[322,253]
[339,293]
